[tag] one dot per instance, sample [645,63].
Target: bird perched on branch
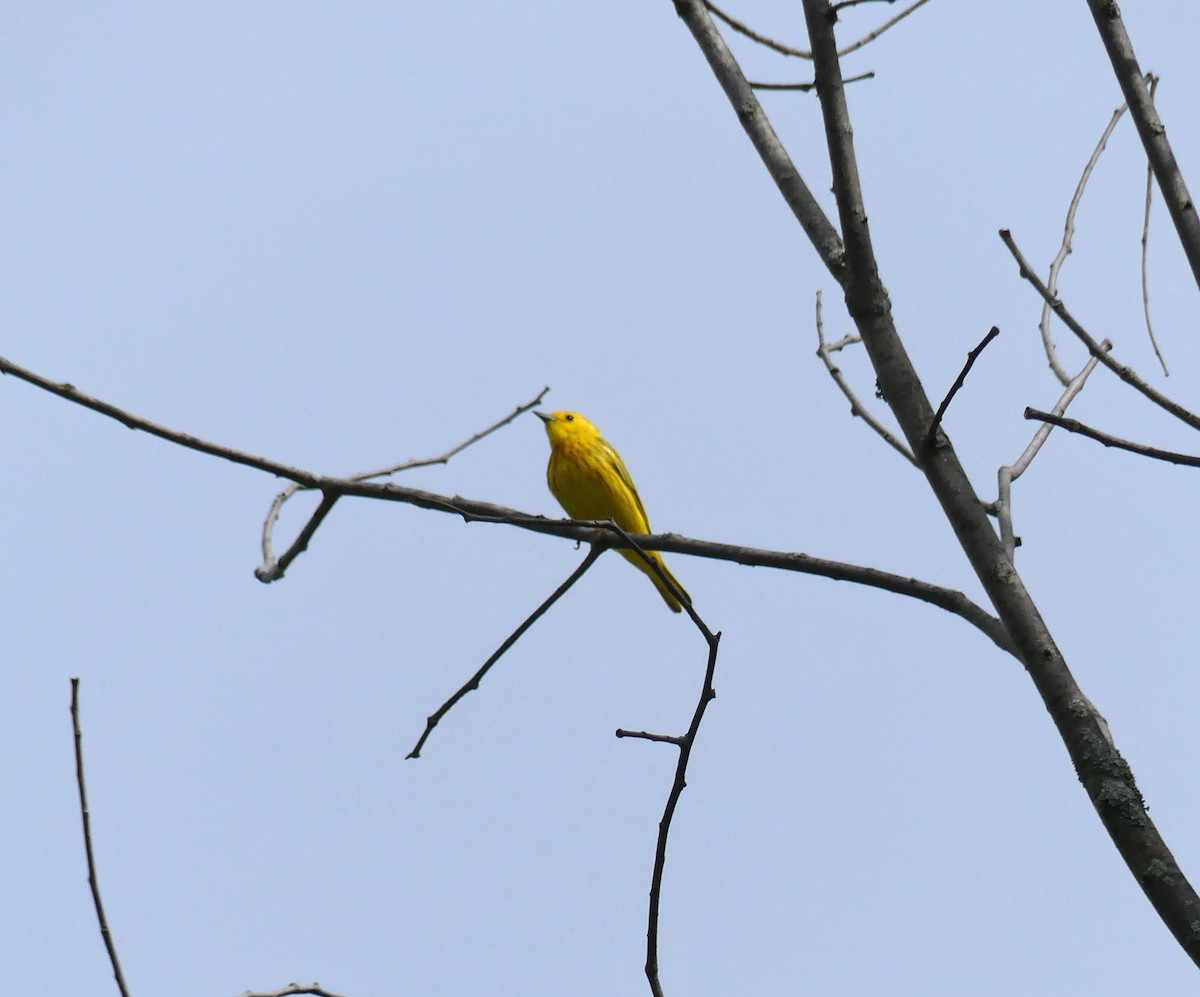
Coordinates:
[590,481]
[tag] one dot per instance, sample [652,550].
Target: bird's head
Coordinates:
[562,426]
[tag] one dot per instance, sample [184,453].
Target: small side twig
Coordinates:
[473,682]
[801,87]
[645,735]
[800,53]
[1064,249]
[1123,371]
[805,87]
[886,26]
[273,569]
[1075,426]
[86,816]
[754,36]
[958,383]
[1152,80]
[824,351]
[1002,507]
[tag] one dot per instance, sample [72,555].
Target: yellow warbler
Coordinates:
[589,479]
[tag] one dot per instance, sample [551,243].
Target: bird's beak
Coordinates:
[544,417]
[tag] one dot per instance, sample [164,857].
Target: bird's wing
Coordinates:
[614,461]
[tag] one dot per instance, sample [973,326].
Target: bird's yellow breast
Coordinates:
[590,482]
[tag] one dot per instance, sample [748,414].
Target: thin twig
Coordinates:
[805,87]
[1077,382]
[645,735]
[86,816]
[1002,507]
[847,4]
[850,339]
[1152,80]
[886,26]
[1064,250]
[972,356]
[744,29]
[473,682]
[754,36]
[1075,426]
[802,87]
[272,570]
[293,989]
[856,407]
[1124,372]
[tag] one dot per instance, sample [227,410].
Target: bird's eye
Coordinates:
[570,418]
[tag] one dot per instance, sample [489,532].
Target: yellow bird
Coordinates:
[589,479]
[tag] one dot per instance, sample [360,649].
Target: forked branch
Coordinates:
[825,351]
[1009,473]
[684,742]
[1123,371]
[273,569]
[1151,130]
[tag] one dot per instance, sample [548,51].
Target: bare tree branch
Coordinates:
[130,421]
[86,816]
[684,743]
[1124,372]
[1152,80]
[959,381]
[473,682]
[848,4]
[646,735]
[1002,507]
[744,29]
[886,26]
[805,87]
[825,352]
[272,570]
[1064,250]
[1107,15]
[293,990]
[472,510]
[1075,426]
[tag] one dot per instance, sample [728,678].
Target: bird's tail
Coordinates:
[668,596]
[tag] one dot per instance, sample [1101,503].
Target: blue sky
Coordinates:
[345,236]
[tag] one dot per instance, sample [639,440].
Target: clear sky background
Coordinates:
[344,235]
